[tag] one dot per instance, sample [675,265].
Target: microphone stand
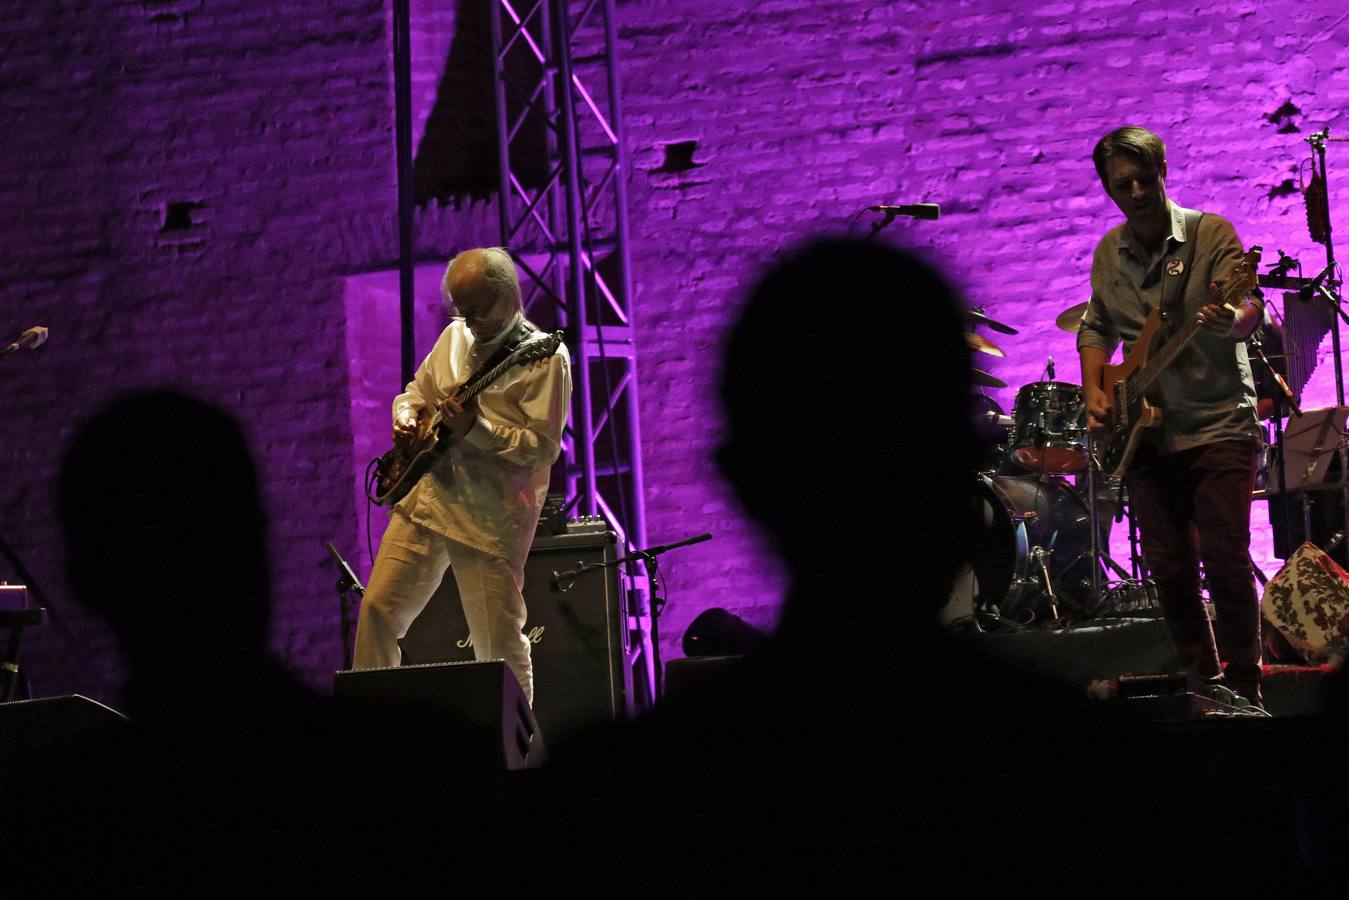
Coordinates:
[1318,144]
[349,588]
[877,226]
[564,580]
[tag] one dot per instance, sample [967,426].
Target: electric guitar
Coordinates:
[398,470]
[1132,388]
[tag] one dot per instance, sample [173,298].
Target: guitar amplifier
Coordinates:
[580,648]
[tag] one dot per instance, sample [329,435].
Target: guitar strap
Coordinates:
[1173,289]
[508,346]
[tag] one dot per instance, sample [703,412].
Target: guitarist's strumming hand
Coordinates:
[405,424]
[458,418]
[1097,408]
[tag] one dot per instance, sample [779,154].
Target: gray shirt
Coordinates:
[1207,393]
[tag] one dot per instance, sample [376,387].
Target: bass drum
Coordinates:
[1031,523]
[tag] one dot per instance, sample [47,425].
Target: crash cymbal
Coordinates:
[1070,318]
[976,315]
[984,379]
[983,345]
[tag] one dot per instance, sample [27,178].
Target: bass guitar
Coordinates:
[398,470]
[1132,389]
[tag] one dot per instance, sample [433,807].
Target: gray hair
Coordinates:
[497,270]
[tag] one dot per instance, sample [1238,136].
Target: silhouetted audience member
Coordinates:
[864,748]
[233,778]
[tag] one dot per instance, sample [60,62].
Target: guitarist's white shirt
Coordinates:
[488,490]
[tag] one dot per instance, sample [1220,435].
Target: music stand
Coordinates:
[1310,443]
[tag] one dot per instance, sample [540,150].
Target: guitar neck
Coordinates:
[1180,340]
[469,391]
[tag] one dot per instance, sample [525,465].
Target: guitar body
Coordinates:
[403,466]
[399,469]
[1133,389]
[1129,413]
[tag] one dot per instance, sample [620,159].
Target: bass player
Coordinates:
[1190,481]
[475,511]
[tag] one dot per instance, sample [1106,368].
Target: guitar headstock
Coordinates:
[1243,278]
[542,348]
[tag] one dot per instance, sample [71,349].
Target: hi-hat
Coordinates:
[983,345]
[984,379]
[1070,318]
[976,315]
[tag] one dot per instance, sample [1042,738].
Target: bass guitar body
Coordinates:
[1132,388]
[1131,411]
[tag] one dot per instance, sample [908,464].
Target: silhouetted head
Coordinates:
[846,390]
[165,531]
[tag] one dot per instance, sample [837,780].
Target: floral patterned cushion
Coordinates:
[1308,602]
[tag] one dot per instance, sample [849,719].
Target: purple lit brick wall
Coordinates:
[804,112]
[184,181]
[201,194]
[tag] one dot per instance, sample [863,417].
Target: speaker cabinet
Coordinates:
[579,637]
[34,731]
[491,722]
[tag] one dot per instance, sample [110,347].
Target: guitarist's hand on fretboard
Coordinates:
[458,418]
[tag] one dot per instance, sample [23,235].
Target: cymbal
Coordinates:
[984,379]
[983,345]
[976,315]
[1070,318]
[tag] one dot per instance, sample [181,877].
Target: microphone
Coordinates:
[560,577]
[33,337]
[1305,293]
[1285,264]
[1049,368]
[930,211]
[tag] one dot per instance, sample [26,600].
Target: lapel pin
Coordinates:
[1174,267]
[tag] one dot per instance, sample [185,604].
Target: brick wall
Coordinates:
[180,185]
[803,112]
[190,187]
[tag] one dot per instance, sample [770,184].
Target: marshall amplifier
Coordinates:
[579,637]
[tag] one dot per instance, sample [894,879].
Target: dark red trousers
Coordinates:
[1195,506]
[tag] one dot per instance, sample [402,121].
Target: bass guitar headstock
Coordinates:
[1243,279]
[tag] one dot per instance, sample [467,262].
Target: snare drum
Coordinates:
[1050,431]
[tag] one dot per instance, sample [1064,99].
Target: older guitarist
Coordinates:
[1190,482]
[476,510]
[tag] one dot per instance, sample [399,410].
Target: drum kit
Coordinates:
[1037,562]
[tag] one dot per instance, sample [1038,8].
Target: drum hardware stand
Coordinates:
[1100,593]
[1039,558]
[349,592]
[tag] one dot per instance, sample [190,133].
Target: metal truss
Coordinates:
[563,214]
[563,210]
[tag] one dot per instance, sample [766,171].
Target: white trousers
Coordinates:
[409,567]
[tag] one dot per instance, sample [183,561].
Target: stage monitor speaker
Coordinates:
[1104,649]
[483,702]
[32,731]
[579,637]
[693,675]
